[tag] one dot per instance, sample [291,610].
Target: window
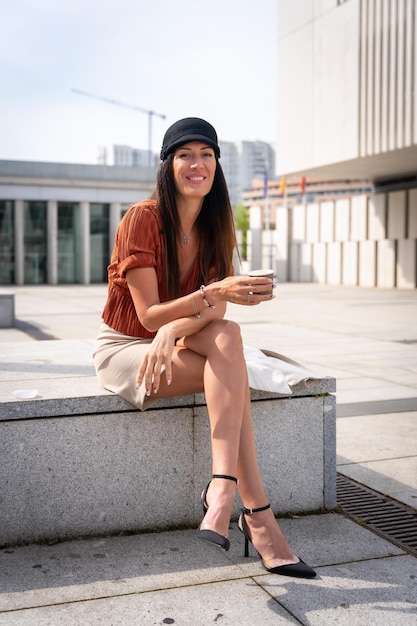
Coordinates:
[6,242]
[99,242]
[69,238]
[35,243]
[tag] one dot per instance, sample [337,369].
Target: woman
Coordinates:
[164,332]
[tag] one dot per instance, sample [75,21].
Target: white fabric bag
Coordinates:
[269,371]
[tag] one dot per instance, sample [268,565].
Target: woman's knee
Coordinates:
[226,334]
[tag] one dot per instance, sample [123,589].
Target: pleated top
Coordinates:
[139,242]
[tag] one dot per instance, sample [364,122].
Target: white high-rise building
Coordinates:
[133,157]
[242,162]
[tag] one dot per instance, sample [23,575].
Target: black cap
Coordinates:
[189,129]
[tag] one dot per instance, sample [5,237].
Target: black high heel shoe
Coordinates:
[296,570]
[210,535]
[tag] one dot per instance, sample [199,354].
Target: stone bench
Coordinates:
[78,461]
[7,317]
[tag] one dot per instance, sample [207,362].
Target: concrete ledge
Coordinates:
[79,461]
[7,317]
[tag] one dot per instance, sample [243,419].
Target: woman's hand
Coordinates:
[158,356]
[246,290]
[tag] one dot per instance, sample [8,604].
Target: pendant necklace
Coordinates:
[185,238]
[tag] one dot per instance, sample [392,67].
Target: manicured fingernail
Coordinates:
[169,382]
[148,392]
[155,389]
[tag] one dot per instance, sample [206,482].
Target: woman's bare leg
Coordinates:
[265,532]
[213,361]
[213,358]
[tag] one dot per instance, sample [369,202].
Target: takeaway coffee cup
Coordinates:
[268,273]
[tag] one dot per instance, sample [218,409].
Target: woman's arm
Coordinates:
[185,315]
[190,313]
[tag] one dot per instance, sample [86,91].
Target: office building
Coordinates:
[348,71]
[58,221]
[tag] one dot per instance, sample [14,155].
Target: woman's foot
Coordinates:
[219,499]
[267,538]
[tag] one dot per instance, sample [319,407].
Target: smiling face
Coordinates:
[194,166]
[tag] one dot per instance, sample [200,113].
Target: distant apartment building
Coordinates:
[241,161]
[244,161]
[126,156]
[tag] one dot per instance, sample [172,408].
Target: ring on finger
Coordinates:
[250,293]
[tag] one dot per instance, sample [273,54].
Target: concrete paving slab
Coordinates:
[378,437]
[394,477]
[12,335]
[363,579]
[366,593]
[229,603]
[319,540]
[73,571]
[377,407]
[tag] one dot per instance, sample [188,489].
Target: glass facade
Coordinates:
[56,242]
[35,243]
[99,242]
[6,242]
[69,238]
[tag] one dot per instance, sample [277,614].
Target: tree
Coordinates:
[242,224]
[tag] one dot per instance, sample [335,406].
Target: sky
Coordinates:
[215,59]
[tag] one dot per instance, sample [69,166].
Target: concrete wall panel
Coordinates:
[359,218]
[319,263]
[342,219]
[406,264]
[306,260]
[299,223]
[397,214]
[377,218]
[367,263]
[334,263]
[327,212]
[386,266]
[412,214]
[312,223]
[350,263]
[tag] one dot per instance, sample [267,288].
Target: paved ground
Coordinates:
[367,339]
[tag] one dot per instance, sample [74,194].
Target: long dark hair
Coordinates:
[215,226]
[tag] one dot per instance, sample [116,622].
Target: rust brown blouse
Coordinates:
[139,242]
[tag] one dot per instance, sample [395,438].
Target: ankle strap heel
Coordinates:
[225,477]
[296,570]
[210,535]
[204,494]
[250,511]
[244,527]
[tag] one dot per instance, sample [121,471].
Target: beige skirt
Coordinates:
[117,358]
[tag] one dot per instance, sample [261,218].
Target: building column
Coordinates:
[255,225]
[114,219]
[85,243]
[52,241]
[19,253]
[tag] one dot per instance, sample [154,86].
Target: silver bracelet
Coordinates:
[203,295]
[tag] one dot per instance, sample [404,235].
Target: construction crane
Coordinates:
[128,106]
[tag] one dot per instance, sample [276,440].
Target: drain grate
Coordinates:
[386,517]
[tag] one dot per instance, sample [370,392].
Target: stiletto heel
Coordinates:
[297,570]
[210,535]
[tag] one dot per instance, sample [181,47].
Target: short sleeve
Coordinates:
[137,240]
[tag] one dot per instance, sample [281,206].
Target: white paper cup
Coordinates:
[268,273]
